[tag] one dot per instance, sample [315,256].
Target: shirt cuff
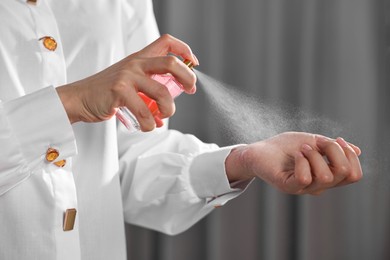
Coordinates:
[214,183]
[39,121]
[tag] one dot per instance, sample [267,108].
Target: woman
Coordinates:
[67,183]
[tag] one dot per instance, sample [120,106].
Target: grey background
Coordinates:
[327,57]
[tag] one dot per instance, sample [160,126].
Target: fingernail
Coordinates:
[193,90]
[359,151]
[306,147]
[196,59]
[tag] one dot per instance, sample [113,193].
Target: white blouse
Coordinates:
[163,180]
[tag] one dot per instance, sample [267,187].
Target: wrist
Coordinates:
[236,165]
[67,97]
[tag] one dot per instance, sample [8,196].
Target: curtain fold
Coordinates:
[326,60]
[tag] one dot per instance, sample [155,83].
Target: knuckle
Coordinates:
[167,111]
[325,179]
[304,180]
[122,75]
[355,177]
[171,61]
[162,92]
[119,86]
[344,170]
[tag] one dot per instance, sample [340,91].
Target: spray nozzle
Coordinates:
[189,63]
[186,61]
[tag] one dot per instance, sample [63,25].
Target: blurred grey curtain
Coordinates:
[329,57]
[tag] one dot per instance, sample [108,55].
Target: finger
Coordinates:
[169,44]
[357,150]
[196,59]
[140,110]
[159,121]
[356,172]
[301,178]
[354,147]
[321,174]
[172,65]
[156,96]
[338,162]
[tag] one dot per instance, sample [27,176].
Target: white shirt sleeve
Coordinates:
[29,125]
[170,180]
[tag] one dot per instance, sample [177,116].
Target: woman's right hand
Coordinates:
[98,97]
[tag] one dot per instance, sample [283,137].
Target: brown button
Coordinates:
[69,219]
[32,1]
[60,163]
[49,43]
[52,154]
[217,206]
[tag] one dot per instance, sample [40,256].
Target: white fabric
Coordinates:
[163,180]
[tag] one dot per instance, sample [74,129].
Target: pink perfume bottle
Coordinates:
[174,87]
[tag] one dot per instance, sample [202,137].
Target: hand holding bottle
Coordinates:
[98,97]
[175,89]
